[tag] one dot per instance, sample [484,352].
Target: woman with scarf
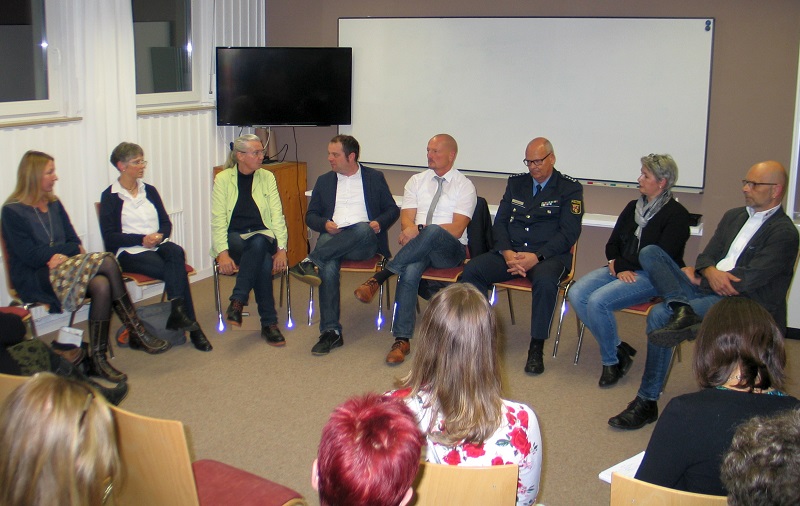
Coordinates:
[654,218]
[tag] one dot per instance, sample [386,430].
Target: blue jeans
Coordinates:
[167,263]
[597,295]
[673,285]
[433,247]
[358,242]
[490,268]
[254,258]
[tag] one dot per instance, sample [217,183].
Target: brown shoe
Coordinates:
[397,354]
[366,292]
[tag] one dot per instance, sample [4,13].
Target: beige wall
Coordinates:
[753,89]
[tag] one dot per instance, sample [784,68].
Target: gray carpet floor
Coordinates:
[262,408]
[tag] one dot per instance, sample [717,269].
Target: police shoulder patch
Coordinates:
[576,206]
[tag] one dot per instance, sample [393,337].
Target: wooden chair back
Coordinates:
[8,384]
[155,459]
[438,484]
[626,490]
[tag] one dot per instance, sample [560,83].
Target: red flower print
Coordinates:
[401,393]
[523,418]
[519,440]
[497,461]
[474,451]
[511,419]
[452,458]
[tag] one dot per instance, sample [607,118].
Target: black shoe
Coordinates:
[178,319]
[113,395]
[306,272]
[682,325]
[327,341]
[639,413]
[535,363]
[625,354]
[234,313]
[199,340]
[611,374]
[273,335]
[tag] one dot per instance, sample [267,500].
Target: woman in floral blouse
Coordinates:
[454,389]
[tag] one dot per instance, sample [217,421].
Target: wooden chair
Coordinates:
[524,285]
[626,490]
[369,266]
[157,469]
[438,484]
[9,383]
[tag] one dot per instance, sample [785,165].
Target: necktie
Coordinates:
[538,189]
[435,200]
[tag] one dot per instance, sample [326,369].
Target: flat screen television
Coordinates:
[265,86]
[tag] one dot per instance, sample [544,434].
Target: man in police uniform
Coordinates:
[538,221]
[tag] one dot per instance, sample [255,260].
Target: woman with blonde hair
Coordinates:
[48,264]
[58,443]
[454,389]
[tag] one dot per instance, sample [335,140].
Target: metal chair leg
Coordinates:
[581,329]
[220,323]
[676,350]
[310,303]
[289,322]
[561,317]
[511,307]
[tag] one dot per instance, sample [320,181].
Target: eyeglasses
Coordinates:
[139,163]
[259,152]
[536,163]
[752,184]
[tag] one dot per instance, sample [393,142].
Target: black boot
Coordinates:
[178,319]
[611,374]
[199,340]
[535,362]
[98,343]
[639,413]
[139,338]
[682,325]
[114,395]
[625,354]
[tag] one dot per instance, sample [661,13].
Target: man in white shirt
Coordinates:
[437,207]
[751,254]
[352,208]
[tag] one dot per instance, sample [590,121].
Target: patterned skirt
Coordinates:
[70,280]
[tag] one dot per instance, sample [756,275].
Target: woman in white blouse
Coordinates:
[136,228]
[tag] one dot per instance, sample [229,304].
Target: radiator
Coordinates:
[178,228]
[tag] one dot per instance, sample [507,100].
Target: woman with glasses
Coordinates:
[653,218]
[48,265]
[248,233]
[136,228]
[58,443]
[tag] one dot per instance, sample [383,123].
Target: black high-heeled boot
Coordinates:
[139,338]
[98,344]
[178,319]
[63,367]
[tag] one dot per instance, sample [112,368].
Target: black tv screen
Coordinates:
[264,86]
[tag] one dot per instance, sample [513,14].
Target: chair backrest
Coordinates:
[479,230]
[571,275]
[8,384]
[438,484]
[155,458]
[626,490]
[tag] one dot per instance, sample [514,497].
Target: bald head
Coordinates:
[770,180]
[442,151]
[540,159]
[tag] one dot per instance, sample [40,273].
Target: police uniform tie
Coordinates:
[435,200]
[538,189]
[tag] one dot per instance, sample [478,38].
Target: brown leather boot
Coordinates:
[98,344]
[139,338]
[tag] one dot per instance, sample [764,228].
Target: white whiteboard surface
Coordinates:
[605,91]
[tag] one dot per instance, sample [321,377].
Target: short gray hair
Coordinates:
[240,145]
[663,168]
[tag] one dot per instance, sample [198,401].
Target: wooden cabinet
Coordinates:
[291,179]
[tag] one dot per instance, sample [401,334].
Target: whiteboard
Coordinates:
[605,91]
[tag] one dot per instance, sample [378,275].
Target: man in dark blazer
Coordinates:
[352,208]
[537,222]
[752,254]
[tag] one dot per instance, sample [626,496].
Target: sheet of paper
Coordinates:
[628,467]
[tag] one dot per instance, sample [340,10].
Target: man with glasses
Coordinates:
[751,254]
[538,221]
[248,232]
[352,208]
